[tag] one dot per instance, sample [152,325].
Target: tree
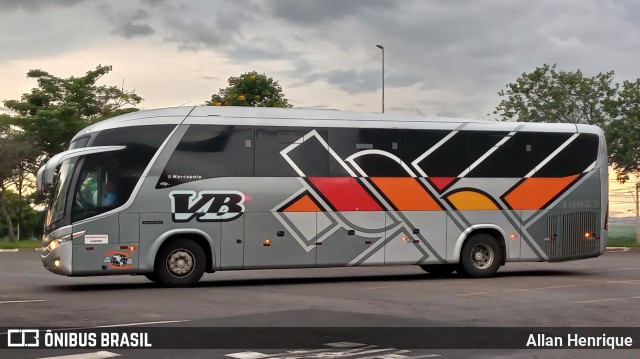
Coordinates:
[549,95]
[31,222]
[623,137]
[17,156]
[250,89]
[58,108]
[43,123]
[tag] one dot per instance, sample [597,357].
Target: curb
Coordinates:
[16,250]
[623,249]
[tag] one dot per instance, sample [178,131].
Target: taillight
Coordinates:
[606,218]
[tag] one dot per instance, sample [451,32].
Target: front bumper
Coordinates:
[58,261]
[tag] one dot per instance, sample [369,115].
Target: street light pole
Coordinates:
[382,48]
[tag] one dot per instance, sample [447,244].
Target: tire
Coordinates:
[180,263]
[481,256]
[438,270]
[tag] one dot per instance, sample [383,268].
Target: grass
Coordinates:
[622,234]
[30,243]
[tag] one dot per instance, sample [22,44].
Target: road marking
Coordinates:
[551,287]
[345,345]
[135,324]
[338,350]
[96,355]
[390,286]
[623,281]
[23,301]
[604,300]
[595,283]
[473,293]
[247,355]
[612,270]
[9,250]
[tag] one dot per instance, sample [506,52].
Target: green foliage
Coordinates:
[42,124]
[250,89]
[17,159]
[549,95]
[623,135]
[30,221]
[58,108]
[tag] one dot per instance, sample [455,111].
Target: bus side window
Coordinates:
[304,152]
[210,151]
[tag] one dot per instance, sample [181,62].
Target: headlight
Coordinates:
[54,244]
[57,242]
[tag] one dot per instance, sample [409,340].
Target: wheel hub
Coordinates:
[482,256]
[180,262]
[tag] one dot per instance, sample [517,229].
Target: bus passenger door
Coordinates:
[279,240]
[100,249]
[354,238]
[231,244]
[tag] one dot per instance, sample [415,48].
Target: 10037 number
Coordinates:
[580,204]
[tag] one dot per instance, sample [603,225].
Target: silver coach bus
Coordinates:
[174,193]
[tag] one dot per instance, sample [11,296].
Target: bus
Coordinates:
[174,193]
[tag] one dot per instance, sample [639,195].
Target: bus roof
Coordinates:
[299,117]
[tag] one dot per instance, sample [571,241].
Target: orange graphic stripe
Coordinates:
[304,204]
[534,193]
[471,200]
[406,194]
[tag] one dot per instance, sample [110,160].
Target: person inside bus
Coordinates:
[110,196]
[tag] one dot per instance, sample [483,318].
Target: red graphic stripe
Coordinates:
[441,182]
[345,193]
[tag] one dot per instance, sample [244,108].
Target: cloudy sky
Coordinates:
[441,57]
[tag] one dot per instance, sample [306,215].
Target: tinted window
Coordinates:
[145,138]
[573,159]
[79,143]
[106,180]
[347,141]
[459,152]
[208,151]
[307,155]
[519,155]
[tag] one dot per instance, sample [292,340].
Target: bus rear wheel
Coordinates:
[180,263]
[481,256]
[438,270]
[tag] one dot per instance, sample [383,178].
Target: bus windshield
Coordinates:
[102,184]
[58,201]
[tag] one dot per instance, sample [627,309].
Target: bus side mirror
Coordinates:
[40,184]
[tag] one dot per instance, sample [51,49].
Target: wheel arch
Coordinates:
[491,229]
[200,237]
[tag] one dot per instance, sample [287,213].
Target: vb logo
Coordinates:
[206,206]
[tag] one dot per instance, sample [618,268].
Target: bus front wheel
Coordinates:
[180,263]
[481,256]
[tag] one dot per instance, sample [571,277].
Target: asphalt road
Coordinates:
[600,292]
